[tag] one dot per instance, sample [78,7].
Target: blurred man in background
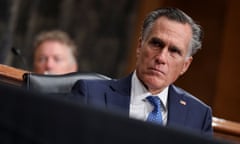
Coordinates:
[54,53]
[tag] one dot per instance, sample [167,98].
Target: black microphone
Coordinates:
[17,52]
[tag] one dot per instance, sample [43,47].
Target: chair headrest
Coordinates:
[57,83]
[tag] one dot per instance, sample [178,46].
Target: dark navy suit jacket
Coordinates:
[184,110]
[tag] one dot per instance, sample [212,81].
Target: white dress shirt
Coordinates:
[139,106]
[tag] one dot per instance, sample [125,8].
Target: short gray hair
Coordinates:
[178,16]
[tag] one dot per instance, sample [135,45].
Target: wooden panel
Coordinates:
[11,75]
[226,102]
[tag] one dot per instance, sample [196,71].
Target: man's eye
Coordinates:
[175,50]
[42,59]
[58,59]
[157,43]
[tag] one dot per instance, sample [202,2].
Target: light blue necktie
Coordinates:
[155,116]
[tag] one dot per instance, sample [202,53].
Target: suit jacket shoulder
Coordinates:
[188,111]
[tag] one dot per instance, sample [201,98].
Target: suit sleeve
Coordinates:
[207,125]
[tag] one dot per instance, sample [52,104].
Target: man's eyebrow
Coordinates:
[157,40]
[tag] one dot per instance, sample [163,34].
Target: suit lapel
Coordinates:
[177,106]
[119,99]
[119,96]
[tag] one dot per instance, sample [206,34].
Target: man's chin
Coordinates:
[153,80]
[155,86]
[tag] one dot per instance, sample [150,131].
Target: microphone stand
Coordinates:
[17,52]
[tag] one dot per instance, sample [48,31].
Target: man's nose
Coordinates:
[161,56]
[49,63]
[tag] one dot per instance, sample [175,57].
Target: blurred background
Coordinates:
[106,33]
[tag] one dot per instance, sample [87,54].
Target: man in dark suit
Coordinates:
[168,41]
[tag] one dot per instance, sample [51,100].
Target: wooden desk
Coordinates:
[223,129]
[11,75]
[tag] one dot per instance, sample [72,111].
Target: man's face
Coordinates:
[53,57]
[163,56]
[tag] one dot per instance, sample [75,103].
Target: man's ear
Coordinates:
[139,46]
[186,64]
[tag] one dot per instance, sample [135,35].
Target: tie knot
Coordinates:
[154,100]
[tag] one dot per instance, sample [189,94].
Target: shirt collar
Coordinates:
[139,92]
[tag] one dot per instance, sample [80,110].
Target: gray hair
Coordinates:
[178,16]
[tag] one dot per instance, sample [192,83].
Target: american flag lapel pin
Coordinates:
[183,102]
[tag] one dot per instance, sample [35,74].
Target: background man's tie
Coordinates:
[155,116]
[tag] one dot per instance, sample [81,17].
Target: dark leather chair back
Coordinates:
[57,83]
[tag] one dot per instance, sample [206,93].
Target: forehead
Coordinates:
[172,31]
[52,46]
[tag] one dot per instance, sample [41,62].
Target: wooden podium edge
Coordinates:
[11,75]
[226,126]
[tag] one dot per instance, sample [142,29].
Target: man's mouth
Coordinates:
[157,71]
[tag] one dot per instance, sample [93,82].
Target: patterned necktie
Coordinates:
[155,116]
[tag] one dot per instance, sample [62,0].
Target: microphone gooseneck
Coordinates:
[17,52]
